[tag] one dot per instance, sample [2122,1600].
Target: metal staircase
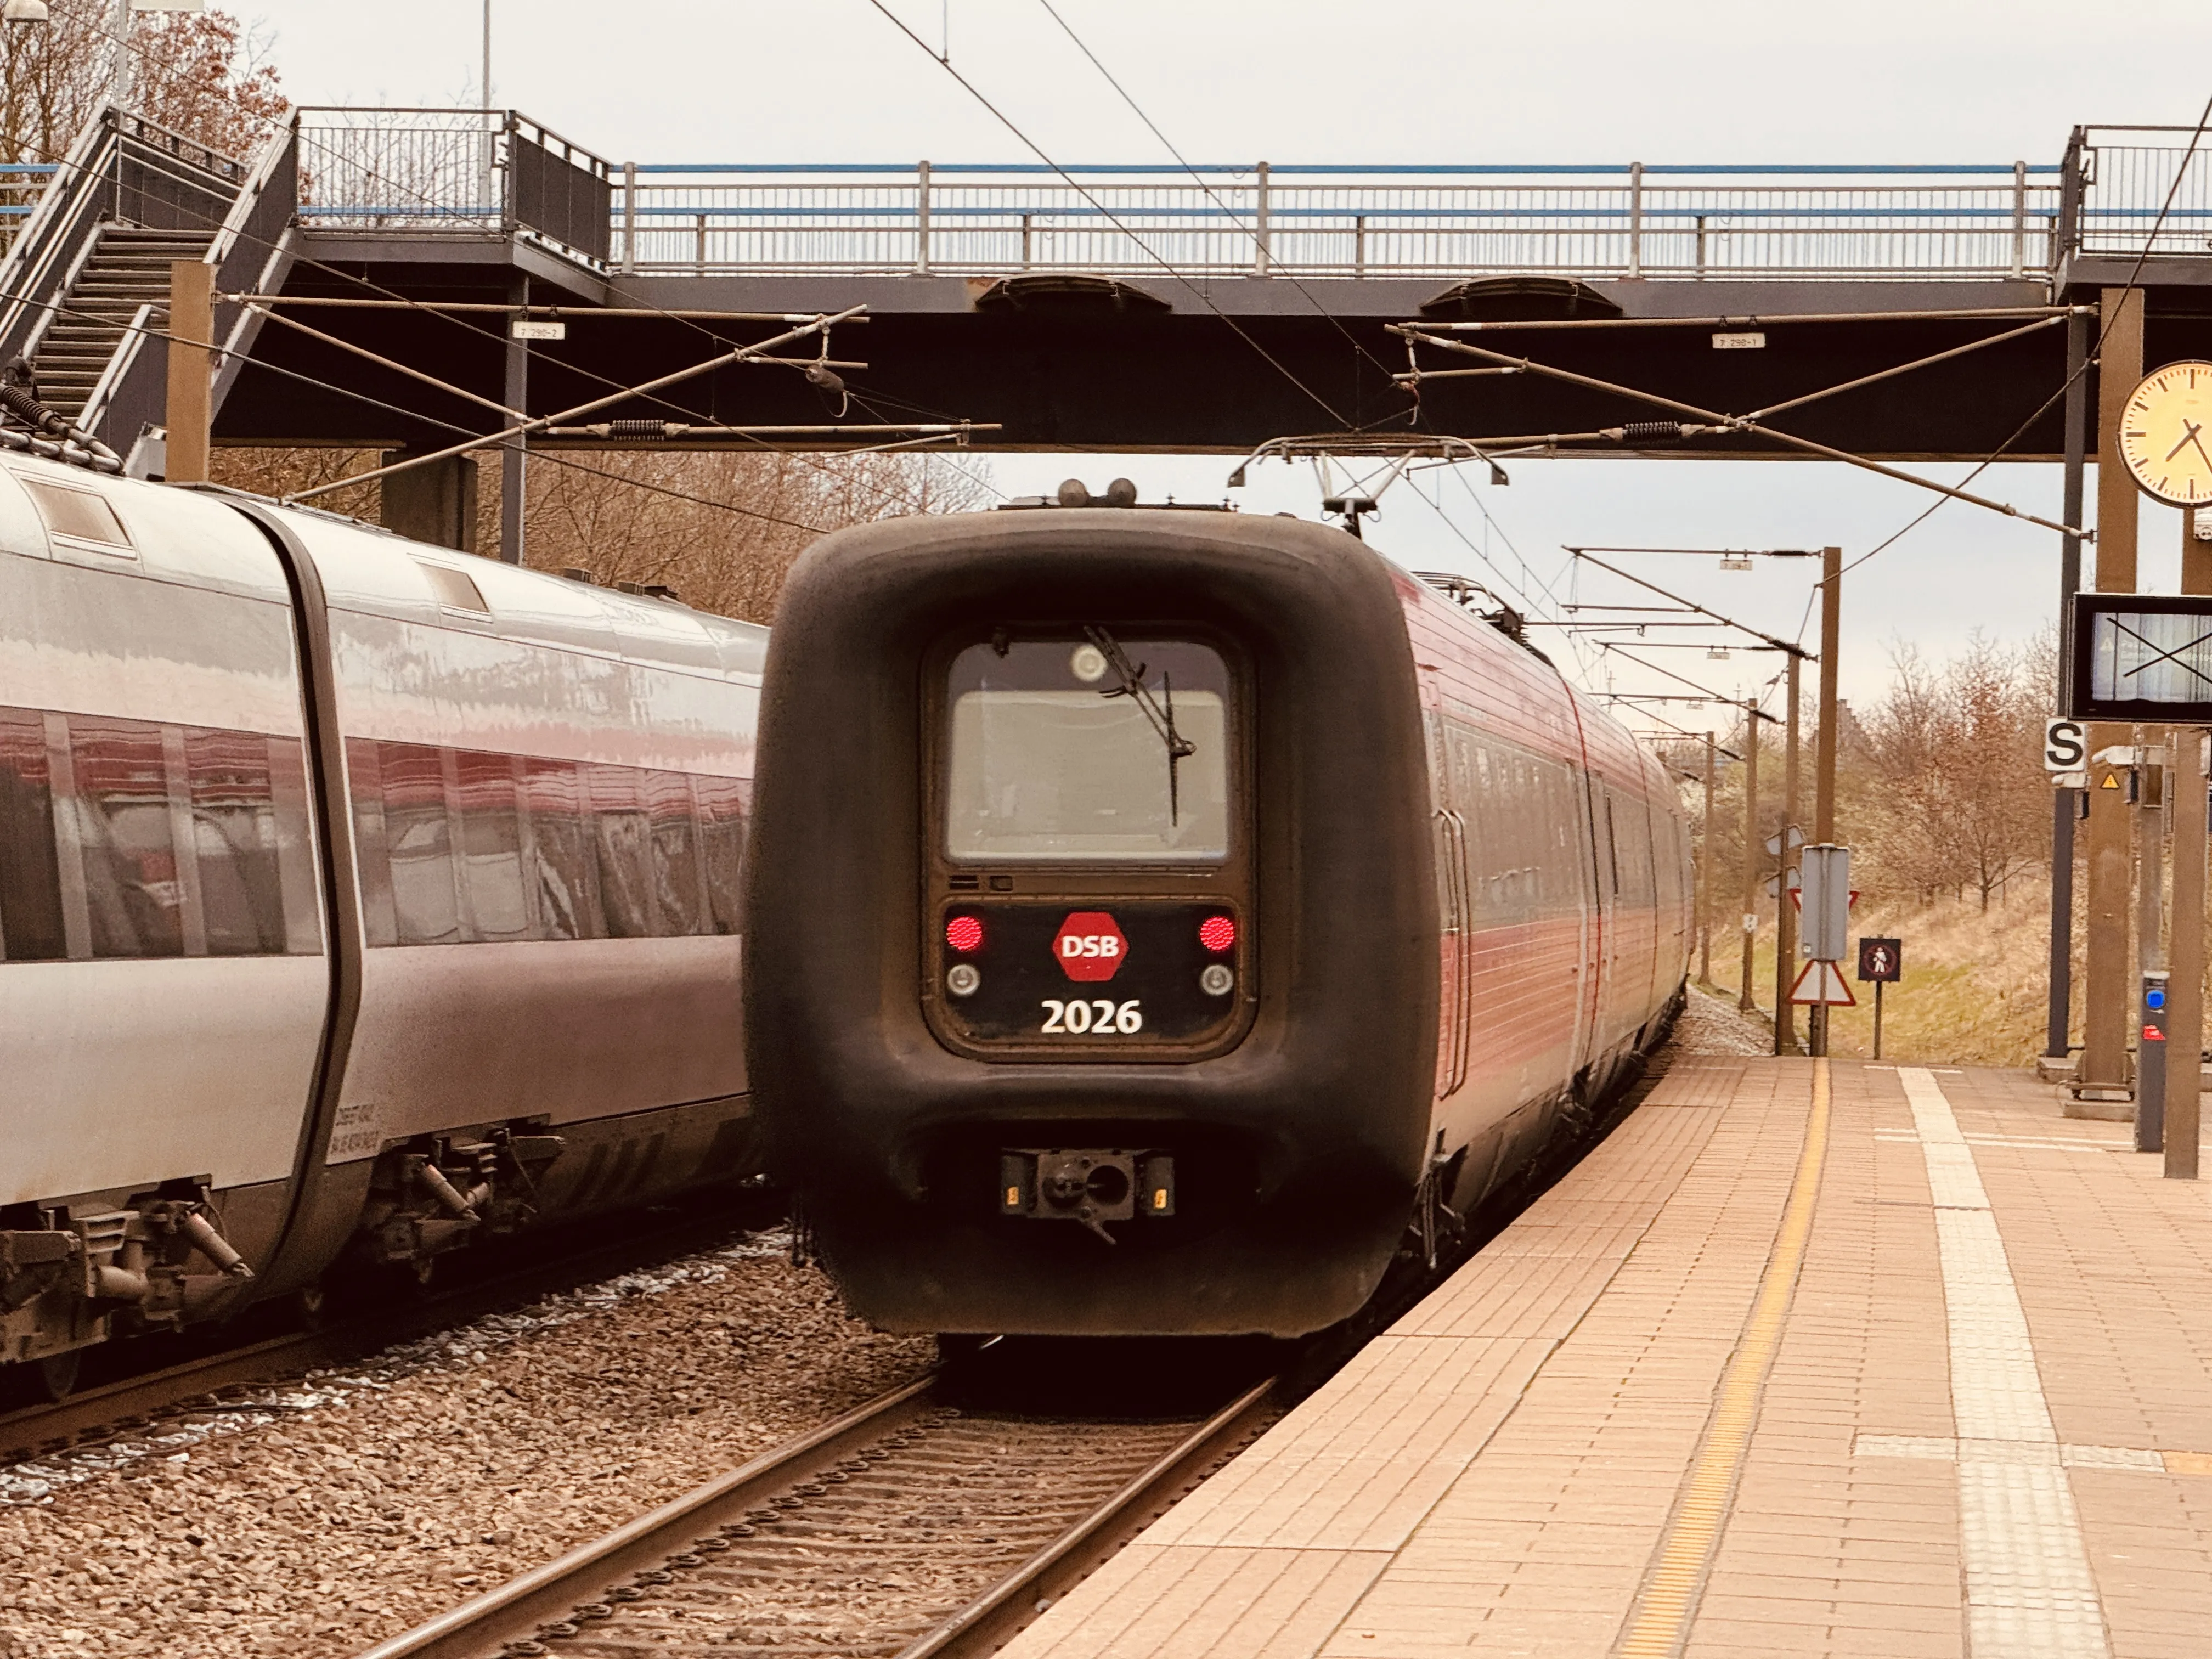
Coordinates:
[127,269]
[84,289]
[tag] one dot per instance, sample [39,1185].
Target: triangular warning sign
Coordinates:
[2112,780]
[1823,982]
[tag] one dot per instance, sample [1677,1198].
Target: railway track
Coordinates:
[925,1524]
[931,1524]
[206,1382]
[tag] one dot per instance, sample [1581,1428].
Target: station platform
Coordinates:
[1808,1357]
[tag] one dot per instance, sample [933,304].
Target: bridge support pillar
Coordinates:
[434,503]
[2109,966]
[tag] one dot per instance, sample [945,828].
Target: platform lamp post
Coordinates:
[1825,737]
[1751,715]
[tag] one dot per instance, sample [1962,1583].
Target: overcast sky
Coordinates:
[1612,81]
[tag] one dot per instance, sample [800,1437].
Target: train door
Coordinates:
[1639,896]
[1618,997]
[1455,921]
[1597,916]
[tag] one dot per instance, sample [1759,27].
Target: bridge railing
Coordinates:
[2138,185]
[1634,220]
[21,184]
[438,171]
[443,171]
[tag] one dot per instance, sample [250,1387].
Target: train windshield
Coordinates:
[1090,749]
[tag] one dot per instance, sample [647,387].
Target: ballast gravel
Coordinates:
[1714,1025]
[316,1519]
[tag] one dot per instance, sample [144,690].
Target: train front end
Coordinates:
[1092,977]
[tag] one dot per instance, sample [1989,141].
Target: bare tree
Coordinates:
[1950,794]
[722,528]
[199,74]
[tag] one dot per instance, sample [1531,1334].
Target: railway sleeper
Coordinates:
[76,1279]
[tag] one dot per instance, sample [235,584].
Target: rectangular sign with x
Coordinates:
[2141,657]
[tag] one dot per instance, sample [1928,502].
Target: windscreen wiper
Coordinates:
[1161,716]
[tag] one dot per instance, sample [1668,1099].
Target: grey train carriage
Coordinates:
[358,899]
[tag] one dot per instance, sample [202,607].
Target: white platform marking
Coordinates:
[2029,1588]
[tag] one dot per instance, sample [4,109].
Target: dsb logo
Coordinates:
[1089,946]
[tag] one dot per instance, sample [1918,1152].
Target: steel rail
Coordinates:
[517,1608]
[507,1618]
[986,1624]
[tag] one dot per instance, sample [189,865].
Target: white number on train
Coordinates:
[1079,1017]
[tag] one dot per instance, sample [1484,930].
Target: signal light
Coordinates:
[1217,933]
[964,933]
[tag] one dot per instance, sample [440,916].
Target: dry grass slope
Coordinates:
[1974,983]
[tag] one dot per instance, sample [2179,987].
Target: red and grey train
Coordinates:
[1156,913]
[358,899]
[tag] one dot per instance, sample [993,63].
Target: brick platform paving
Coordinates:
[1886,1363]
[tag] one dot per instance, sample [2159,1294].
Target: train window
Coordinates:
[456,589]
[491,845]
[379,925]
[459,845]
[563,871]
[30,874]
[234,842]
[678,881]
[722,829]
[295,850]
[419,845]
[80,514]
[622,839]
[124,834]
[1074,752]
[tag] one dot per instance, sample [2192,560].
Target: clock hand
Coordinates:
[2188,431]
[2201,450]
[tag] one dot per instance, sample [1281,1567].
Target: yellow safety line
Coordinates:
[1667,1602]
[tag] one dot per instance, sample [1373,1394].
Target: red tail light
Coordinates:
[964,933]
[1217,935]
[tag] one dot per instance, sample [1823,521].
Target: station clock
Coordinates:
[2165,434]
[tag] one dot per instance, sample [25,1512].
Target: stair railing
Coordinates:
[251,253]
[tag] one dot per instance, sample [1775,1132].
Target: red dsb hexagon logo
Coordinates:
[1089,946]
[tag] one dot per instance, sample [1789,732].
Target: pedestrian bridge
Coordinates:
[1117,306]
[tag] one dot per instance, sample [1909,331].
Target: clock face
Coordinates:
[2165,434]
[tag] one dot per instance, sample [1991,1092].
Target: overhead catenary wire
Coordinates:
[1747,424]
[1199,178]
[1528,606]
[1030,144]
[821,325]
[554,458]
